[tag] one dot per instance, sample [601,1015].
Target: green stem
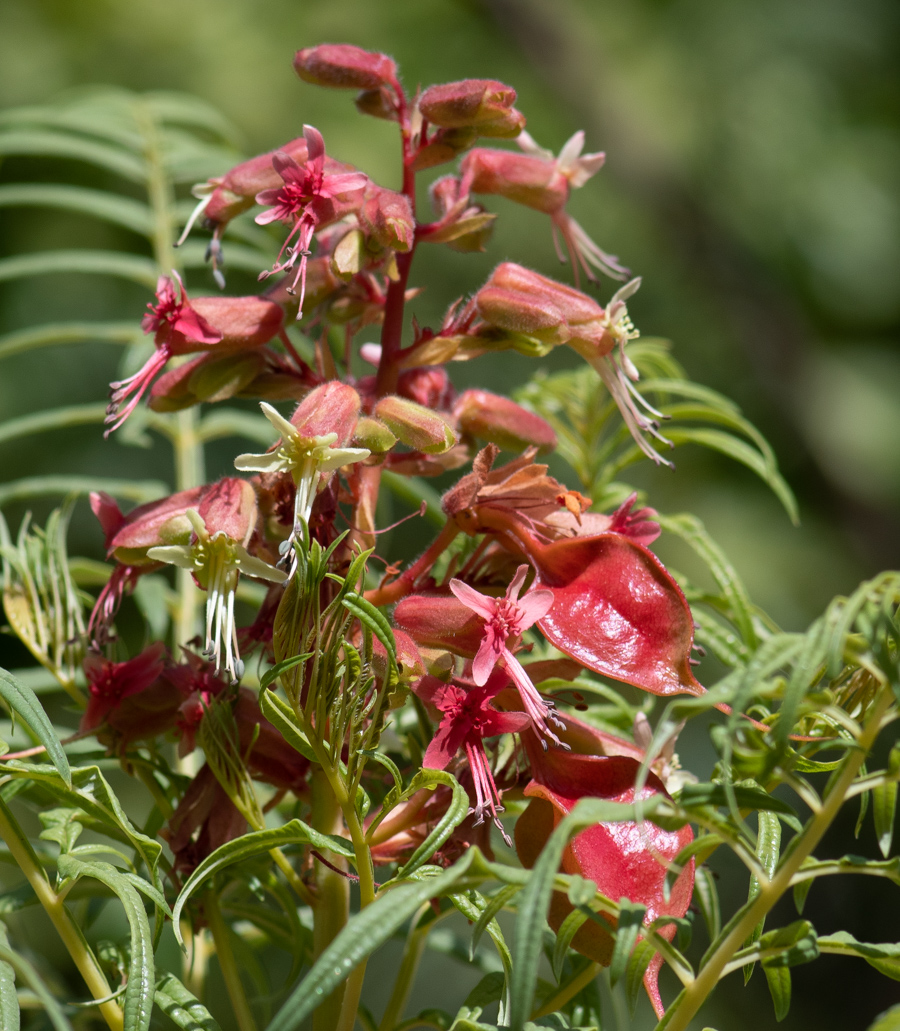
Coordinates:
[409,964]
[293,878]
[685,1007]
[60,917]
[332,890]
[227,963]
[568,991]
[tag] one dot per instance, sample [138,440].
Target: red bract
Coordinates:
[307,199]
[625,860]
[467,717]
[110,682]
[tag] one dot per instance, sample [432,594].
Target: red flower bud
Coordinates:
[157,522]
[332,407]
[387,217]
[498,420]
[484,104]
[343,66]
[416,426]
[440,621]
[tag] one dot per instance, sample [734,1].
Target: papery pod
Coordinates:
[440,621]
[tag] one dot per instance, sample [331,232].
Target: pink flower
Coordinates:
[309,198]
[467,717]
[505,620]
[110,682]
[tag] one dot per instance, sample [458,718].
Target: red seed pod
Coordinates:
[343,66]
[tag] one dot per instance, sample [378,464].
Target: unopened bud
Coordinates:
[484,104]
[427,385]
[416,426]
[229,507]
[343,66]
[440,621]
[523,178]
[377,103]
[332,407]
[242,321]
[374,435]
[497,420]
[388,217]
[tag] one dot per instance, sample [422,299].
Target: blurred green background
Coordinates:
[752,180]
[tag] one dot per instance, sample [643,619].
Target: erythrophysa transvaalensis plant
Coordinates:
[337,741]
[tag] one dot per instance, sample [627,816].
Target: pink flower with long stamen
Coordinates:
[467,718]
[309,198]
[506,619]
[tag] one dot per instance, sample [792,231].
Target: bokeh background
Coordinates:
[753,180]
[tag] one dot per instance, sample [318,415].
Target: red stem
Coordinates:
[406,581]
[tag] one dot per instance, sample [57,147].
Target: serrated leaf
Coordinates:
[57,333]
[181,1007]
[46,143]
[138,1003]
[295,832]
[360,936]
[111,207]
[103,263]
[41,486]
[884,957]
[54,419]
[24,703]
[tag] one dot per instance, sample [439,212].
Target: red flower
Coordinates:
[467,718]
[625,860]
[110,682]
[309,198]
[505,620]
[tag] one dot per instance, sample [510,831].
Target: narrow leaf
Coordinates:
[181,1007]
[280,715]
[9,1000]
[54,419]
[631,919]
[38,486]
[884,804]
[362,934]
[24,703]
[44,143]
[58,333]
[295,832]
[111,207]
[30,977]
[104,263]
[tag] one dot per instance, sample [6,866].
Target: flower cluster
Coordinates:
[519,560]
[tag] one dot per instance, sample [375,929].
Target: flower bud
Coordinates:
[343,66]
[440,621]
[332,407]
[157,522]
[208,378]
[416,426]
[377,103]
[484,104]
[229,507]
[427,385]
[388,218]
[374,435]
[527,180]
[499,421]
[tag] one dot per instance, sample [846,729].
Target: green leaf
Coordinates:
[24,703]
[630,922]
[271,675]
[111,207]
[746,796]
[768,849]
[885,958]
[779,981]
[706,896]
[295,832]
[54,419]
[57,333]
[37,486]
[44,143]
[494,904]
[138,1006]
[91,793]
[181,1007]
[570,926]
[30,977]
[360,936]
[453,816]
[280,715]
[534,900]
[640,958]
[884,804]
[887,1021]
[374,619]
[9,1000]
[184,109]
[104,263]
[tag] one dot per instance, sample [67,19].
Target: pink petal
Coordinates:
[488,655]
[444,745]
[534,606]
[314,143]
[482,604]
[286,167]
[512,592]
